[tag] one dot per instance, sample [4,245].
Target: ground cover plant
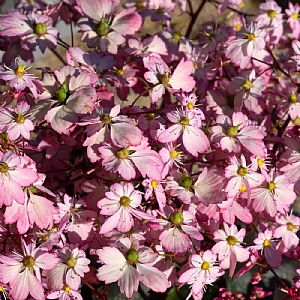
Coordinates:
[176,193]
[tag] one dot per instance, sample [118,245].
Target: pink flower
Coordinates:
[36,30]
[14,176]
[202,271]
[180,230]
[19,79]
[104,30]
[154,188]
[287,231]
[16,121]
[249,39]
[268,247]
[124,160]
[65,293]
[186,124]
[72,266]
[22,271]
[293,19]
[270,16]
[121,204]
[241,178]
[129,266]
[232,134]
[228,247]
[159,75]
[274,191]
[120,128]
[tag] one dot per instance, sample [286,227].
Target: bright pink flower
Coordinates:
[23,272]
[72,266]
[129,266]
[159,75]
[186,124]
[293,19]
[249,39]
[241,177]
[65,293]
[121,204]
[246,89]
[170,156]
[270,16]
[235,133]
[180,229]
[268,247]
[124,160]
[179,184]
[16,121]
[155,189]
[104,30]
[103,124]
[228,247]
[36,30]
[19,79]
[202,271]
[287,231]
[14,176]
[275,190]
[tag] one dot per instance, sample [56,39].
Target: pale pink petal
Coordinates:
[194,140]
[129,282]
[153,278]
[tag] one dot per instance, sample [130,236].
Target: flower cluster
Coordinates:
[163,159]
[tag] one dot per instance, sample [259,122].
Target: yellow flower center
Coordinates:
[266,243]
[243,188]
[3,167]
[294,16]
[125,201]
[71,262]
[150,116]
[190,106]
[247,85]
[177,36]
[28,261]
[293,98]
[139,4]
[291,226]
[173,154]
[238,27]
[185,121]
[123,153]
[231,240]
[154,184]
[20,119]
[271,186]
[205,266]
[251,36]
[20,70]
[296,121]
[120,72]
[164,79]
[260,161]
[272,14]
[242,171]
[66,288]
